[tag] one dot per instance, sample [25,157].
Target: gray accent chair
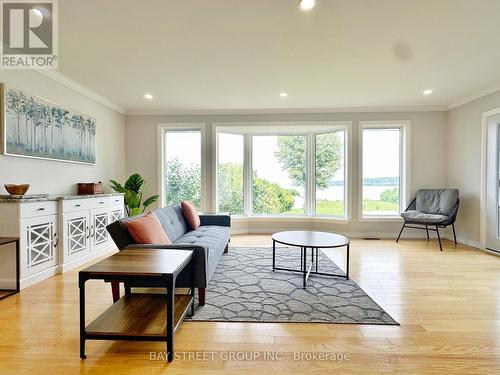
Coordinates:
[434,208]
[208,242]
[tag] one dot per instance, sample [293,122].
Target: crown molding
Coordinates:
[270,111]
[68,82]
[471,98]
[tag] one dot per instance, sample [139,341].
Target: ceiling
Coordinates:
[197,55]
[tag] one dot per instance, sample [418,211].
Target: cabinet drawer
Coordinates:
[37,209]
[73,205]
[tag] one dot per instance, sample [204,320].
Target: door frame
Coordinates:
[484,166]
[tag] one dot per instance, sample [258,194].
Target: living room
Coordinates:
[230,187]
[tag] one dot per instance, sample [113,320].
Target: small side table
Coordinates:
[8,292]
[136,316]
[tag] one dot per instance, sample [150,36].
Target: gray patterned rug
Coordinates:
[244,288]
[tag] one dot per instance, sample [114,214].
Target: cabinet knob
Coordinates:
[41,209]
[78,205]
[101,202]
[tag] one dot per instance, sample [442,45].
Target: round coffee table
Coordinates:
[314,241]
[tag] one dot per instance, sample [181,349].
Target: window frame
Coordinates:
[163,128]
[250,129]
[404,167]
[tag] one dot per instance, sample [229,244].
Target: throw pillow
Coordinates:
[191,215]
[147,229]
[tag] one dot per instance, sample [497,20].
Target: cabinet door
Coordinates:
[76,234]
[99,219]
[38,244]
[115,213]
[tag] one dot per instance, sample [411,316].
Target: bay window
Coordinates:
[284,170]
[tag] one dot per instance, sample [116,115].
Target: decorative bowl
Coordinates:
[17,189]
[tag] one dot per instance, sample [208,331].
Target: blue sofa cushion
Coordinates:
[172,221]
[213,238]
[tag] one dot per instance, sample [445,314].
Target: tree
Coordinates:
[183,182]
[230,188]
[292,152]
[390,195]
[270,197]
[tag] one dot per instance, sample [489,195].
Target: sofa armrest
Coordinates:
[220,220]
[200,262]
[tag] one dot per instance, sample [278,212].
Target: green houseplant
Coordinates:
[133,189]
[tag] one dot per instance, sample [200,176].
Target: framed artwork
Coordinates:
[37,128]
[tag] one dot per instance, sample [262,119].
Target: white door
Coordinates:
[76,235]
[99,219]
[38,244]
[492,184]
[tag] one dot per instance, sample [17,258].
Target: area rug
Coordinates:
[244,288]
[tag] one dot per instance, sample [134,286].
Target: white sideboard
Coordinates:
[60,233]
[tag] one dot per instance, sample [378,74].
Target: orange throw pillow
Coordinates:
[147,229]
[191,215]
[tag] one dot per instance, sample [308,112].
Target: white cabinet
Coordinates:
[75,235]
[59,234]
[38,244]
[36,224]
[99,238]
[84,222]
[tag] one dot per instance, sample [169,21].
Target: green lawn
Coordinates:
[336,208]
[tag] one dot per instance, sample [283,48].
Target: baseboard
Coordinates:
[415,235]
[39,276]
[61,268]
[87,258]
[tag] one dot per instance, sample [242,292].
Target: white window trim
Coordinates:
[404,126]
[195,126]
[327,126]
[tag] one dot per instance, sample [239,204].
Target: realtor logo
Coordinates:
[29,34]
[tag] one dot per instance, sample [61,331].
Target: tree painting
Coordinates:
[37,128]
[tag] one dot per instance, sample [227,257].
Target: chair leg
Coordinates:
[454,235]
[115,290]
[427,230]
[201,296]
[401,231]
[439,238]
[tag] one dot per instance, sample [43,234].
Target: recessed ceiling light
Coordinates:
[283,94]
[427,92]
[307,5]
[148,96]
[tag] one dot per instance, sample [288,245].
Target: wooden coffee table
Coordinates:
[139,317]
[314,241]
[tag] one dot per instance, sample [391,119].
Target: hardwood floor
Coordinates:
[448,304]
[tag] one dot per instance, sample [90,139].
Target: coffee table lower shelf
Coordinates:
[138,317]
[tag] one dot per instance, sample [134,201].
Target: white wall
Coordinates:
[464,166]
[428,159]
[56,177]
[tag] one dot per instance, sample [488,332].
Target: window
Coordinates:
[279,174]
[383,169]
[230,173]
[182,166]
[287,169]
[330,174]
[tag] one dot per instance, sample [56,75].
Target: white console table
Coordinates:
[58,233]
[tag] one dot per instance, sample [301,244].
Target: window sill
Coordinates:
[312,219]
[386,219]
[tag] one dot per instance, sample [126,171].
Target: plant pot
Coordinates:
[135,212]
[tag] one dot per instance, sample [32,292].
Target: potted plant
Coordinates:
[133,189]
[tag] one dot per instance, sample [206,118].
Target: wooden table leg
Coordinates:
[170,317]
[81,285]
